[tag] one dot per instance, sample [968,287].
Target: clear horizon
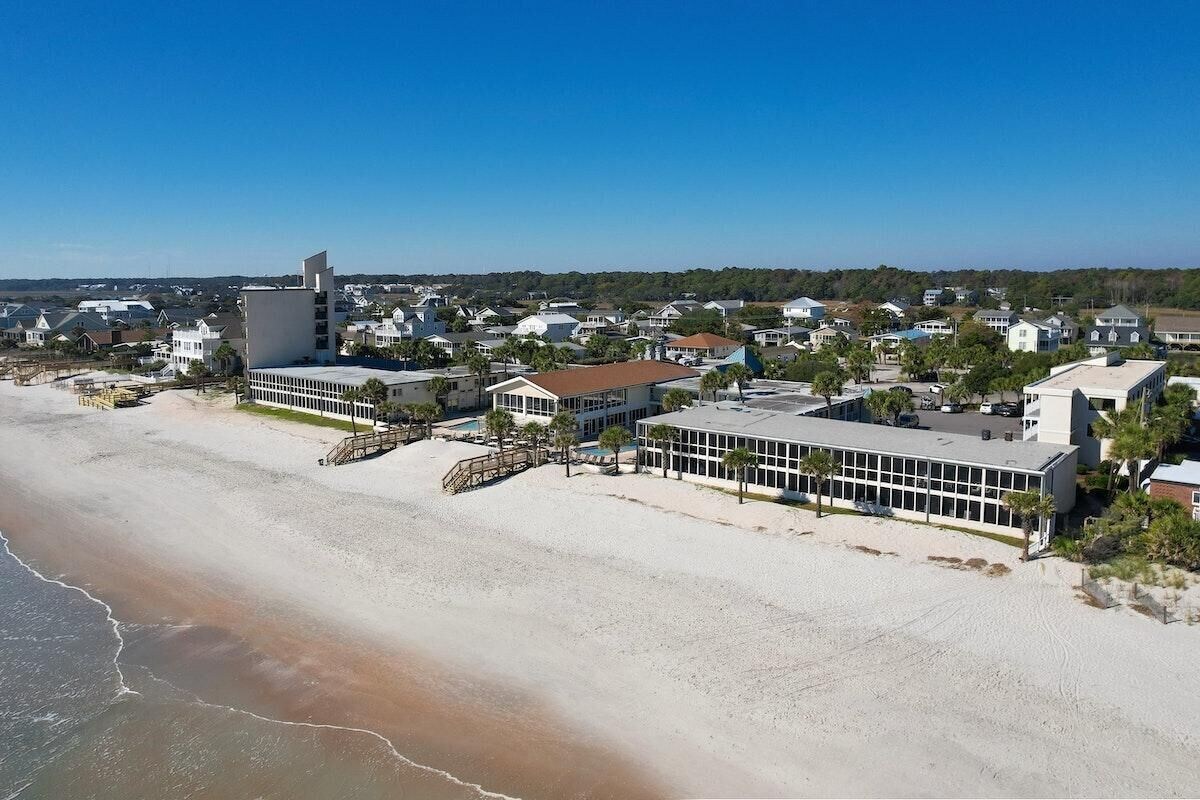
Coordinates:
[146,141]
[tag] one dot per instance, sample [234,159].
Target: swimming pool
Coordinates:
[601,451]
[466,427]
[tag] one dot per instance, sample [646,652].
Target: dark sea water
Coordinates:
[86,713]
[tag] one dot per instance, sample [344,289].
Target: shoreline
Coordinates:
[645,637]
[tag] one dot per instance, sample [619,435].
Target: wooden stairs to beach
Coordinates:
[110,399]
[473,472]
[29,372]
[352,448]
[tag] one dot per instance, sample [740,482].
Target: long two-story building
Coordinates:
[915,474]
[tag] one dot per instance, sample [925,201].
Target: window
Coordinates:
[1133,337]
[1195,498]
[1112,336]
[1095,336]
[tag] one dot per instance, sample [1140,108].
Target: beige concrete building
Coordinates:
[292,325]
[1061,408]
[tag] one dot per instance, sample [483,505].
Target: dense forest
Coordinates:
[1167,287]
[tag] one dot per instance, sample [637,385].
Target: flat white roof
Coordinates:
[1188,472]
[352,376]
[885,440]
[1088,377]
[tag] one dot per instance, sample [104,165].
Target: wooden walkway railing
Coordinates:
[109,399]
[353,448]
[472,472]
[27,372]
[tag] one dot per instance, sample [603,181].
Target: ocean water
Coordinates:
[86,712]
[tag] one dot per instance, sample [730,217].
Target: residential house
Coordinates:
[1062,407]
[119,310]
[68,325]
[455,345]
[1068,330]
[896,308]
[772,337]
[1113,336]
[725,307]
[826,335]
[557,327]
[894,339]
[1178,332]
[12,313]
[964,296]
[598,397]
[935,327]
[1119,316]
[201,342]
[702,345]
[803,309]
[673,311]
[1178,482]
[931,297]
[409,324]
[1033,337]
[999,321]
[568,307]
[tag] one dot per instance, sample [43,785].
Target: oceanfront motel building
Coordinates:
[611,394]
[914,474]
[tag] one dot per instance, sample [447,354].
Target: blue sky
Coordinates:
[217,138]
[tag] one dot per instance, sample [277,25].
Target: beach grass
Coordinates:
[298,416]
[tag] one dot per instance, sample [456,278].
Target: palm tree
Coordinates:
[225,356]
[533,434]
[912,360]
[480,367]
[1028,505]
[820,466]
[1131,446]
[739,375]
[738,461]
[1111,425]
[564,440]
[675,399]
[877,404]
[429,413]
[499,423]
[955,392]
[439,387]
[197,371]
[898,402]
[350,397]
[385,410]
[373,391]
[829,384]
[562,422]
[712,382]
[664,435]
[614,438]
[858,364]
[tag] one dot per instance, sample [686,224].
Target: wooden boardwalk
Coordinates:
[29,372]
[352,448]
[109,399]
[473,472]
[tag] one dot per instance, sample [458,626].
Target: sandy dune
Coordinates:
[724,649]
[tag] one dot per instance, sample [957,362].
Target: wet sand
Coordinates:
[218,643]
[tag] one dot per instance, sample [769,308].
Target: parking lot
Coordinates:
[968,422]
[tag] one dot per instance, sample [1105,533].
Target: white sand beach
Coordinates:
[717,649]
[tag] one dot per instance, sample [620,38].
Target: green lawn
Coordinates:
[300,416]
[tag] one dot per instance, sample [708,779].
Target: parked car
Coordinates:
[988,408]
[908,421]
[951,408]
[904,389]
[1009,410]
[936,388]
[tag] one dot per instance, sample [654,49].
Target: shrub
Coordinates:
[1068,548]
[1173,539]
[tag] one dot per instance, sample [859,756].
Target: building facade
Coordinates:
[292,325]
[803,308]
[1033,337]
[913,474]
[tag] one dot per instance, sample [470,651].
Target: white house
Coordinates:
[201,342]
[935,327]
[673,311]
[1033,337]
[896,308]
[999,321]
[409,323]
[932,297]
[558,327]
[124,310]
[803,308]
[725,307]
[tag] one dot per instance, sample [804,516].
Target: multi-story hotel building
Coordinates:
[915,474]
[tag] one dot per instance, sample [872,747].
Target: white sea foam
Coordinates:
[125,689]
